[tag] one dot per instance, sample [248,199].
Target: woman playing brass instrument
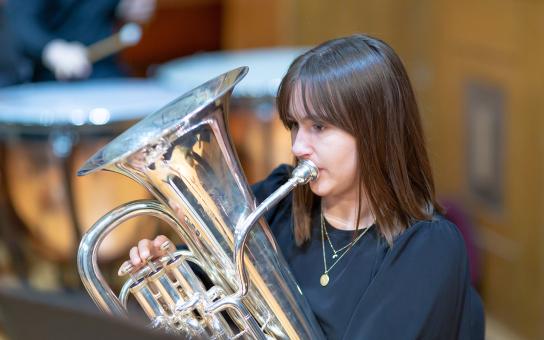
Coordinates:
[366,240]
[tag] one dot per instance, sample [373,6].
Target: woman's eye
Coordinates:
[318,127]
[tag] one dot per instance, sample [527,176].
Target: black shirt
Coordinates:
[417,289]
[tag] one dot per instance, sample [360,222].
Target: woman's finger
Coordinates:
[135,257]
[145,249]
[159,241]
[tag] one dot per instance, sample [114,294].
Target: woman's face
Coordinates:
[333,151]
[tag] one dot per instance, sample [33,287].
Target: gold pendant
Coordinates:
[324,279]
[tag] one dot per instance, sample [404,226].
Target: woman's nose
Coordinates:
[301,147]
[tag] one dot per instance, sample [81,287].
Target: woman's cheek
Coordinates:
[321,186]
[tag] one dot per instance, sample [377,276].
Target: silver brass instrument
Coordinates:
[184,156]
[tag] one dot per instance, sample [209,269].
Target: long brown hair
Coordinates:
[359,85]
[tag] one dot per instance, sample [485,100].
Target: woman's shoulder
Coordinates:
[424,278]
[436,230]
[437,240]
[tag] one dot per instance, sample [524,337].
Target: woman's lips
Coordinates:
[319,170]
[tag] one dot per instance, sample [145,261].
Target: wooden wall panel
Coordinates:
[261,23]
[257,23]
[537,84]
[491,41]
[320,20]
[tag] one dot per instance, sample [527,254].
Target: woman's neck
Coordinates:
[343,214]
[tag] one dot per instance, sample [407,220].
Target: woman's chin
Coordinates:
[318,189]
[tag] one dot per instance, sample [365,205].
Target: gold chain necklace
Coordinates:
[324,279]
[334,251]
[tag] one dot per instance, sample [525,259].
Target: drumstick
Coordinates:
[128,35]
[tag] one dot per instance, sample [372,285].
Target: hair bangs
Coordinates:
[311,96]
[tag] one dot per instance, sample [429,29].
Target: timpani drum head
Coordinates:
[93,102]
[49,130]
[266,68]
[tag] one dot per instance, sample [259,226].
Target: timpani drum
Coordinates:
[48,130]
[260,139]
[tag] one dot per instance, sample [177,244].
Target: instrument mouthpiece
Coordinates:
[305,171]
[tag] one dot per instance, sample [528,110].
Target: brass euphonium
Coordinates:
[183,155]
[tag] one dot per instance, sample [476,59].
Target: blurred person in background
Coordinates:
[13,67]
[53,34]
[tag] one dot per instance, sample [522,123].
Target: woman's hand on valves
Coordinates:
[145,251]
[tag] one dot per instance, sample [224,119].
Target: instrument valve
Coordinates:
[168,248]
[136,275]
[151,264]
[127,269]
